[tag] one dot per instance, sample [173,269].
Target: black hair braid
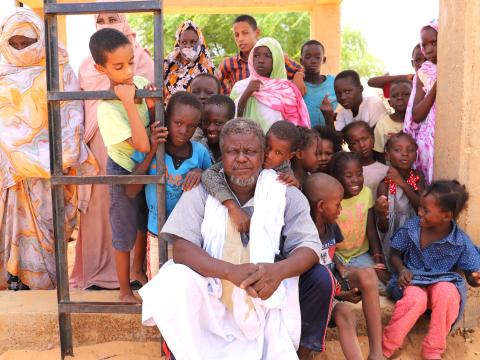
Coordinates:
[450,194]
[339,159]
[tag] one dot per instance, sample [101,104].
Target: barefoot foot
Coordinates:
[129,298]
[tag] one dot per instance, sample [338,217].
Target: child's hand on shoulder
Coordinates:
[240,218]
[126,93]
[405,278]
[353,296]
[158,135]
[288,179]
[150,101]
[381,205]
[192,179]
[299,81]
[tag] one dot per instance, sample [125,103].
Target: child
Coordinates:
[354,106]
[122,126]
[426,253]
[184,159]
[330,143]
[94,264]
[307,159]
[217,110]
[360,139]
[325,194]
[384,82]
[204,86]
[320,97]
[266,96]
[398,195]
[281,145]
[392,124]
[356,219]
[421,111]
[236,68]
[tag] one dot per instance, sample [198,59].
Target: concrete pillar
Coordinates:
[457,140]
[325,27]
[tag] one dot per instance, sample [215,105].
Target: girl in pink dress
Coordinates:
[421,111]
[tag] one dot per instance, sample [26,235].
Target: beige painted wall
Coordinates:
[457,142]
[457,138]
[325,27]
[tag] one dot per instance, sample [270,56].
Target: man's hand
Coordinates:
[353,296]
[158,135]
[288,179]
[237,274]
[126,93]
[298,80]
[264,281]
[150,101]
[192,179]
[404,278]
[240,218]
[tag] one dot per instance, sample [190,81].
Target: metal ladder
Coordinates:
[52,9]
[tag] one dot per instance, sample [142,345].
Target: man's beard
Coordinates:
[242,182]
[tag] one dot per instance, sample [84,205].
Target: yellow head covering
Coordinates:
[23,22]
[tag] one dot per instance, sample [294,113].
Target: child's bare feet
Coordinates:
[129,297]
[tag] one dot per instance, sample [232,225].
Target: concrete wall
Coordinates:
[457,148]
[457,138]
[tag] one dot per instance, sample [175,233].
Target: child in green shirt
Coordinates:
[122,124]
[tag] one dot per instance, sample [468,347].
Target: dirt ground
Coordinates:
[458,348]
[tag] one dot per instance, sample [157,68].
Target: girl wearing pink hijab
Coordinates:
[421,110]
[94,257]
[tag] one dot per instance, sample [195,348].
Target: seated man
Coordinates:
[227,295]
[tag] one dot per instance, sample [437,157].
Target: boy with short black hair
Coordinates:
[217,110]
[392,124]
[355,106]
[235,68]
[325,194]
[122,124]
[320,97]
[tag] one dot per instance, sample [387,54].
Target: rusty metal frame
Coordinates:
[52,9]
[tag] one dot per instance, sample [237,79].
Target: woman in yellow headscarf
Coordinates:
[27,256]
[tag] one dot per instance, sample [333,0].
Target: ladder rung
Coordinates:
[108,179]
[105,7]
[98,307]
[97,95]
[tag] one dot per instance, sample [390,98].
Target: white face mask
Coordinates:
[190,53]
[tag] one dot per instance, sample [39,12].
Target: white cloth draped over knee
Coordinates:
[188,307]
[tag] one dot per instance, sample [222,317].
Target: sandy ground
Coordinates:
[458,348]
